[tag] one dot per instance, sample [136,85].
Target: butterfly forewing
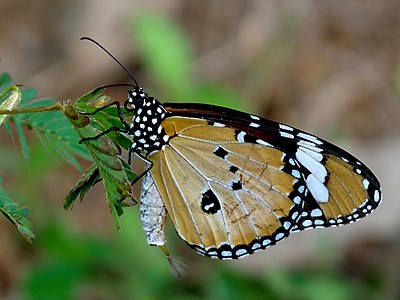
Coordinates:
[235,183]
[339,189]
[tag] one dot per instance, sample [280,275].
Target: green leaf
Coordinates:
[105,155]
[22,139]
[17,215]
[12,97]
[9,131]
[53,130]
[88,179]
[28,95]
[128,170]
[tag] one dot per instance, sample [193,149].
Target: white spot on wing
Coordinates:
[262,142]
[316,212]
[296,174]
[255,125]
[266,242]
[286,135]
[254,117]
[240,136]
[279,236]
[316,155]
[365,183]
[377,196]
[317,189]
[285,127]
[287,225]
[297,200]
[309,145]
[315,167]
[241,252]
[309,137]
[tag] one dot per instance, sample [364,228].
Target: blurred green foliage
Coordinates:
[165,51]
[68,264]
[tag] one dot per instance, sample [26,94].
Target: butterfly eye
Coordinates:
[135,98]
[129,103]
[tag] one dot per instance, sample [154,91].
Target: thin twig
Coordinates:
[54,107]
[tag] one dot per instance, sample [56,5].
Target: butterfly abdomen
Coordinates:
[152,212]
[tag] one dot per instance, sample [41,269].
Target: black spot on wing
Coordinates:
[209,202]
[236,185]
[233,169]
[221,152]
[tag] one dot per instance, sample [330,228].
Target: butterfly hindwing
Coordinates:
[226,198]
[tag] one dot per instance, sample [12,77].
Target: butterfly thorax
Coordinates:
[145,128]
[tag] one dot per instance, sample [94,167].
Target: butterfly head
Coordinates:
[136,97]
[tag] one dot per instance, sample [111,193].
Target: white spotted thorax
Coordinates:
[145,128]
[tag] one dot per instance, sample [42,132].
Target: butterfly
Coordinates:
[235,183]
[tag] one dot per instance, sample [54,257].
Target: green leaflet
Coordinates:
[88,179]
[54,131]
[16,214]
[52,128]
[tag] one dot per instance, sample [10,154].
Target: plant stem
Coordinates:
[54,107]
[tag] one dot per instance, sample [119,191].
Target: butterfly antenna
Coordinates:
[112,56]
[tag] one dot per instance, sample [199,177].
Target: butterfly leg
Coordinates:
[120,115]
[149,164]
[102,133]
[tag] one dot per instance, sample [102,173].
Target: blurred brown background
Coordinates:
[329,67]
